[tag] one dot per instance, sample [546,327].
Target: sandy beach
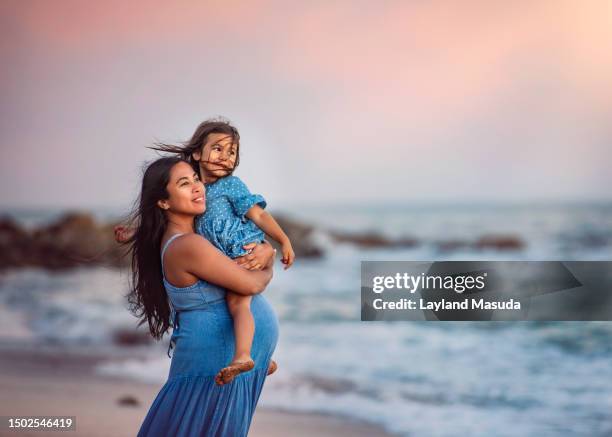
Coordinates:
[46,381]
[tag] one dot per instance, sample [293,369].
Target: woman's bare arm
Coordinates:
[200,258]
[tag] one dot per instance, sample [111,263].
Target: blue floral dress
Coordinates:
[224,224]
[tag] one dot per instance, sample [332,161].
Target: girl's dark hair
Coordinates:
[186,149]
[147,298]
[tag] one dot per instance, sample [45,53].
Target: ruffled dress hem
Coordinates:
[194,405]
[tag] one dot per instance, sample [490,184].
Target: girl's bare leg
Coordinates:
[244,330]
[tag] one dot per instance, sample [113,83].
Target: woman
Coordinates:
[170,260]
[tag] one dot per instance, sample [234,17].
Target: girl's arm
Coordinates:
[266,223]
[200,258]
[251,206]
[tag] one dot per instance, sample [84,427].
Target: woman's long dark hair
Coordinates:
[211,126]
[147,296]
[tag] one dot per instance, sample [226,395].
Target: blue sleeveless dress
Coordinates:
[190,403]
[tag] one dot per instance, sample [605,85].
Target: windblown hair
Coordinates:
[147,298]
[186,149]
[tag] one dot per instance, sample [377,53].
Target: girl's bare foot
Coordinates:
[272,367]
[227,374]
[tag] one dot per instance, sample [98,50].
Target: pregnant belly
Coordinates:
[266,330]
[205,338]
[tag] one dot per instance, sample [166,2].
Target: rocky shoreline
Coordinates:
[74,240]
[77,239]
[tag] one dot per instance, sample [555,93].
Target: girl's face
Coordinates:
[218,156]
[185,191]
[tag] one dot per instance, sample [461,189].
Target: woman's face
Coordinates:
[218,156]
[185,191]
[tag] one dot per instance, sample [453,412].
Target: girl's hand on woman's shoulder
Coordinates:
[123,233]
[260,255]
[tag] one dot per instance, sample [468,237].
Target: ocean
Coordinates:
[413,378]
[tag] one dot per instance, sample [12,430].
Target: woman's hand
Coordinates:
[260,256]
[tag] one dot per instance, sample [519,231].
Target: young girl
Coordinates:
[234,218]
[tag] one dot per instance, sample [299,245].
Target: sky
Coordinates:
[359,102]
